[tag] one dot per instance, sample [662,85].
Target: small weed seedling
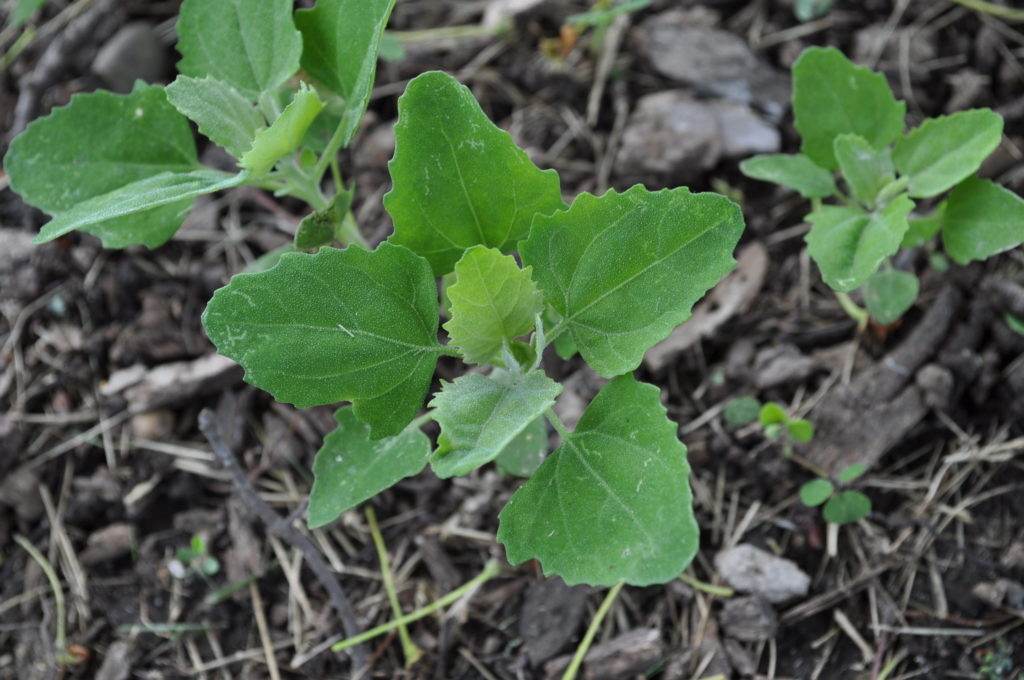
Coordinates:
[841,507]
[194,558]
[774,420]
[851,122]
[606,277]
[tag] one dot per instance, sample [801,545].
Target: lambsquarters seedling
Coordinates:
[851,122]
[607,276]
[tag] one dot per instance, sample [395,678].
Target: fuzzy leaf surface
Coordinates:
[340,325]
[492,302]
[351,467]
[796,171]
[341,39]
[922,229]
[613,502]
[523,455]
[148,211]
[623,270]
[97,143]
[459,180]
[285,133]
[832,96]
[321,227]
[981,219]
[889,294]
[220,111]
[942,151]
[848,244]
[865,169]
[250,44]
[480,415]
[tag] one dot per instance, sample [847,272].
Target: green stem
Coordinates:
[491,569]
[588,637]
[349,233]
[60,640]
[890,191]
[993,9]
[409,649]
[330,155]
[557,423]
[709,588]
[853,310]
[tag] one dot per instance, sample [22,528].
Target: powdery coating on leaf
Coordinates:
[480,415]
[623,270]
[350,467]
[460,181]
[341,325]
[613,502]
[251,44]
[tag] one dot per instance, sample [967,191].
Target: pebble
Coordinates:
[750,619]
[135,52]
[750,569]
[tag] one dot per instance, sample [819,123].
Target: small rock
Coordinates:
[550,617]
[20,490]
[670,134]
[999,593]
[118,662]
[967,86]
[156,424]
[743,132]
[750,619]
[750,569]
[937,384]
[780,365]
[133,53]
[109,543]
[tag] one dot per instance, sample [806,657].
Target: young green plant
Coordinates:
[851,123]
[841,506]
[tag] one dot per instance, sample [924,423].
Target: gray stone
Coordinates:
[750,619]
[781,364]
[133,53]
[749,569]
[743,132]
[671,135]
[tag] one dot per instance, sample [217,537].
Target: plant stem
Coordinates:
[409,649]
[491,569]
[588,637]
[60,638]
[853,310]
[330,155]
[993,9]
[709,588]
[557,423]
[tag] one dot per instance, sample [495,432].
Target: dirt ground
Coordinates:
[104,368]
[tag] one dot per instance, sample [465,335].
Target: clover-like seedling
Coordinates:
[606,276]
[841,506]
[851,123]
[195,558]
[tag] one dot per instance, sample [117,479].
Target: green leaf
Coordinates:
[922,229]
[981,219]
[460,181]
[148,211]
[816,492]
[796,171]
[341,39]
[846,507]
[340,325]
[942,151]
[322,227]
[284,134]
[480,415]
[772,414]
[623,270]
[809,10]
[351,467]
[525,453]
[848,244]
[800,430]
[492,302]
[97,143]
[832,96]
[1015,324]
[741,411]
[613,502]
[889,294]
[220,111]
[250,44]
[23,11]
[852,472]
[865,169]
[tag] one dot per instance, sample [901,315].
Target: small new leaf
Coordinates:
[460,181]
[846,507]
[981,219]
[772,414]
[351,467]
[284,134]
[865,169]
[741,411]
[796,171]
[220,111]
[492,302]
[341,39]
[832,96]
[852,472]
[250,44]
[341,325]
[942,151]
[613,502]
[889,294]
[848,244]
[322,227]
[623,270]
[800,430]
[480,415]
[816,492]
